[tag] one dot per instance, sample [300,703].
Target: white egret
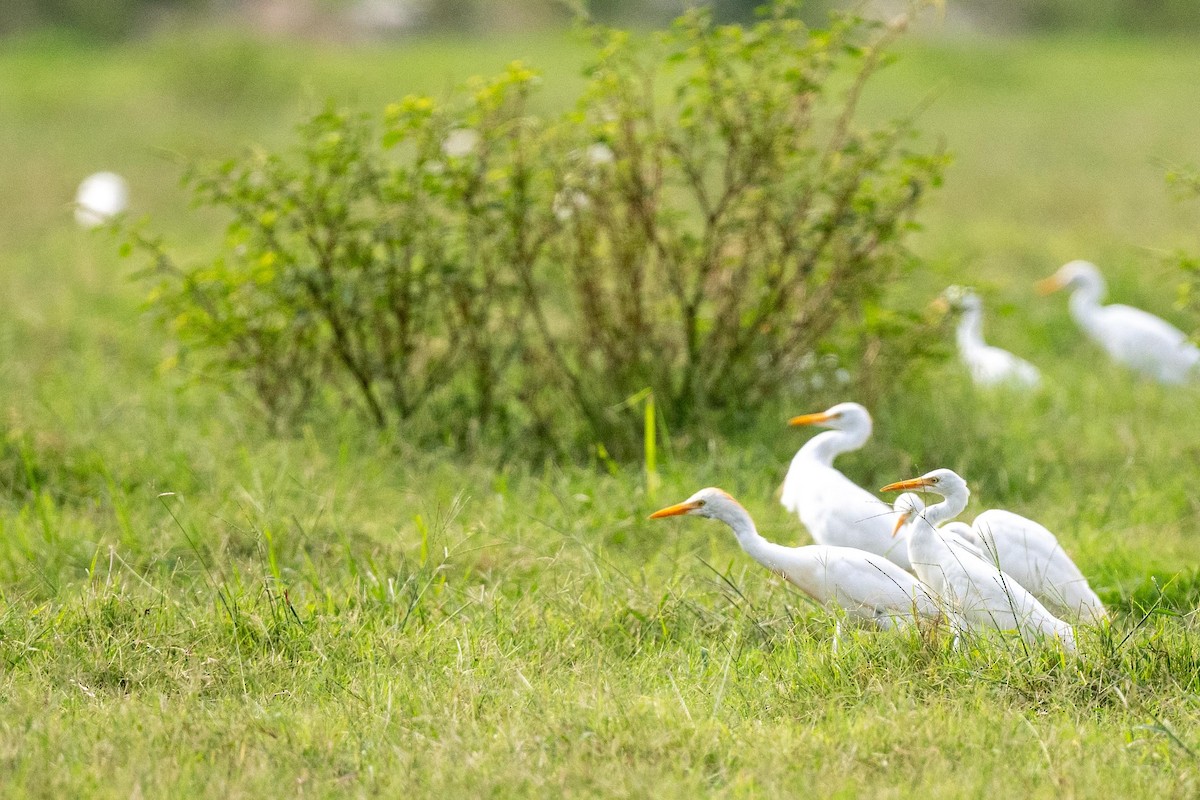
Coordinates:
[988,365]
[865,585]
[957,534]
[980,596]
[101,196]
[832,507]
[1019,546]
[1031,554]
[1133,337]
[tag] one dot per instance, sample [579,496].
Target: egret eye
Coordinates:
[933,480]
[700,503]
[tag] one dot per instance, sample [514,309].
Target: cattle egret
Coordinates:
[1135,338]
[833,509]
[979,596]
[1032,555]
[865,585]
[907,504]
[989,366]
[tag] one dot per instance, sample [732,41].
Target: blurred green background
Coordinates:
[116,19]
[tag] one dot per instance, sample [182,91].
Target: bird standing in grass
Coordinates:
[833,508]
[1031,554]
[1019,546]
[979,596]
[1130,336]
[989,366]
[867,586]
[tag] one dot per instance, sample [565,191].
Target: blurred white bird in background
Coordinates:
[1130,336]
[979,596]
[988,365]
[833,508]
[100,198]
[867,586]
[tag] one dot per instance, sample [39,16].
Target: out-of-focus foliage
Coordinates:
[113,19]
[1186,185]
[1100,16]
[706,221]
[106,19]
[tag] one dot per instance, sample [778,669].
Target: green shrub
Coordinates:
[707,217]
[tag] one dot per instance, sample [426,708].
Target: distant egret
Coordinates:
[1130,336]
[988,365]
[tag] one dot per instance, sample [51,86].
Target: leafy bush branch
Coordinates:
[708,216]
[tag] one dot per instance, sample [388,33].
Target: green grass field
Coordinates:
[190,607]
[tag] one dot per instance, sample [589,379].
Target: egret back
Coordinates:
[1144,342]
[866,585]
[838,512]
[1033,556]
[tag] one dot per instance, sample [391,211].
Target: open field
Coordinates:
[189,607]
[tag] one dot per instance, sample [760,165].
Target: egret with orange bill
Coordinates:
[834,509]
[1130,336]
[867,586]
[978,595]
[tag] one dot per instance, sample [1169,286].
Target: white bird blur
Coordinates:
[100,197]
[1031,554]
[989,366]
[1130,336]
[979,596]
[832,507]
[865,585]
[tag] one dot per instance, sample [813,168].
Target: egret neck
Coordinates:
[1085,300]
[970,330]
[739,520]
[828,445]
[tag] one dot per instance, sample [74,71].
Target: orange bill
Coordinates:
[675,510]
[900,523]
[940,304]
[810,419]
[912,483]
[1049,285]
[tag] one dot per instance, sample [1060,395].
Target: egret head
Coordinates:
[960,298]
[906,507]
[1073,274]
[711,502]
[843,416]
[945,482]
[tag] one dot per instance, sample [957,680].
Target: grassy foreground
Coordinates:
[189,607]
